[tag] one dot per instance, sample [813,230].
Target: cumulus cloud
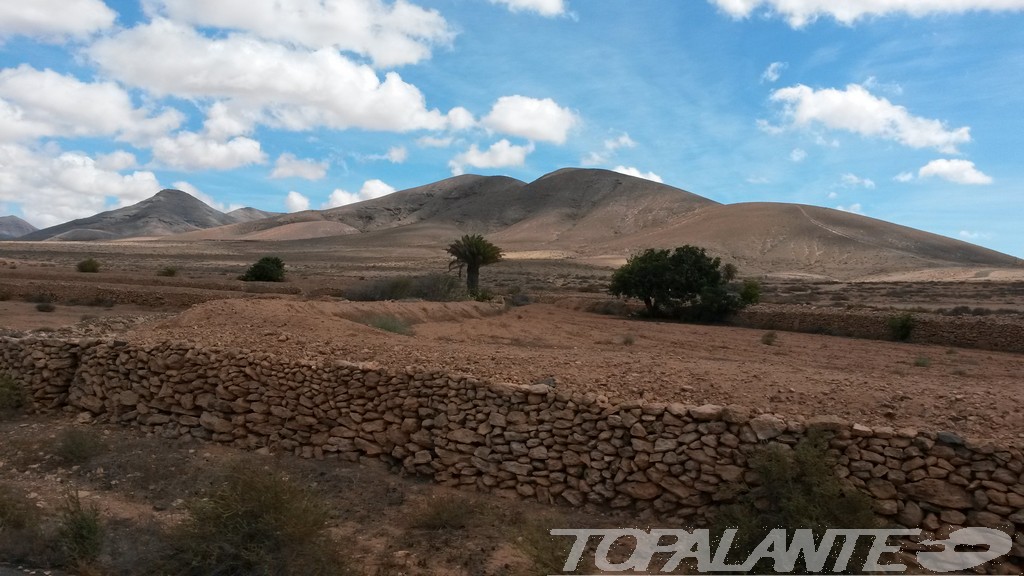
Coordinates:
[395,155]
[532,118]
[43,103]
[66,185]
[773,72]
[904,177]
[288,166]
[547,8]
[390,34]
[852,208]
[798,155]
[460,119]
[371,189]
[611,145]
[193,151]
[852,180]
[501,154]
[295,202]
[281,86]
[631,171]
[189,188]
[857,110]
[957,171]
[435,141]
[54,19]
[801,12]
[116,161]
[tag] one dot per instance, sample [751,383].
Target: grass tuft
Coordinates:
[390,323]
[76,446]
[80,535]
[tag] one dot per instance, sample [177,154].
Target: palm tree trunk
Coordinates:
[472,279]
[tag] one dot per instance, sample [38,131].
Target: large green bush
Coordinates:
[266,269]
[89,265]
[686,284]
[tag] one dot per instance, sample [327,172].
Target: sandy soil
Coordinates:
[975,393]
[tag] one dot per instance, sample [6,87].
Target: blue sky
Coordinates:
[908,111]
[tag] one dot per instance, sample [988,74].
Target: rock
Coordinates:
[464,436]
[950,438]
[939,492]
[911,515]
[826,423]
[767,426]
[706,413]
[640,490]
[214,423]
[881,489]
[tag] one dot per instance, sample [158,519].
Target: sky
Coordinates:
[910,111]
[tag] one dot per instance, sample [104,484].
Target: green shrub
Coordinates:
[168,271]
[12,395]
[901,326]
[254,522]
[266,269]
[750,292]
[768,338]
[89,265]
[390,324]
[45,307]
[922,362]
[78,446]
[80,533]
[798,490]
[432,287]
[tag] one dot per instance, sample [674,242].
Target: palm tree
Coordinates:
[472,251]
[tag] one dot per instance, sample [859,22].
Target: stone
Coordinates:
[950,438]
[939,492]
[214,423]
[881,489]
[640,490]
[767,426]
[827,423]
[706,413]
[911,515]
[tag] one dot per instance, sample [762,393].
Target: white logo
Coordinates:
[679,545]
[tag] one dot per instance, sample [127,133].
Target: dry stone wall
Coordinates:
[668,462]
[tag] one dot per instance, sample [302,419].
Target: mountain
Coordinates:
[12,227]
[168,212]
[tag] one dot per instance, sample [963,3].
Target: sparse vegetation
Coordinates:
[432,287]
[922,362]
[78,446]
[390,323]
[447,513]
[89,265]
[901,326]
[168,271]
[266,269]
[254,522]
[471,252]
[798,489]
[12,395]
[685,284]
[750,292]
[16,512]
[80,536]
[768,338]
[45,307]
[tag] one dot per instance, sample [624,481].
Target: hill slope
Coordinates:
[13,227]
[168,212]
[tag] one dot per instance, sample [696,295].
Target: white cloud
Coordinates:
[257,81]
[631,171]
[773,72]
[54,19]
[288,166]
[435,142]
[969,235]
[295,202]
[116,161]
[852,180]
[857,110]
[852,208]
[42,103]
[501,154]
[547,8]
[531,118]
[957,171]
[460,119]
[192,151]
[611,145]
[758,180]
[904,177]
[65,185]
[798,155]
[801,12]
[390,34]
[832,195]
[395,155]
[202,196]
[371,189]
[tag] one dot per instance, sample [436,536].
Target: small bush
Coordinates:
[922,362]
[78,446]
[89,265]
[448,513]
[390,324]
[768,338]
[432,287]
[483,295]
[750,292]
[254,522]
[80,535]
[12,395]
[45,307]
[627,339]
[168,271]
[266,269]
[901,326]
